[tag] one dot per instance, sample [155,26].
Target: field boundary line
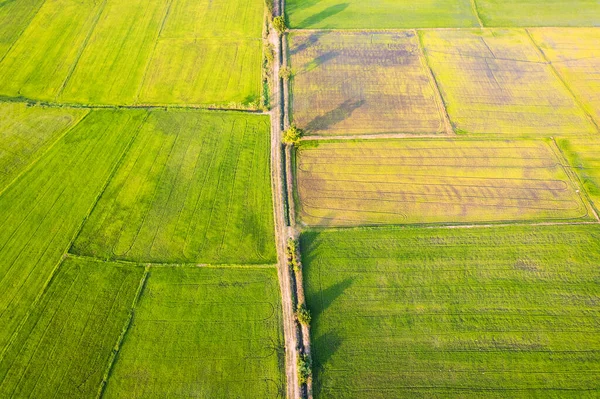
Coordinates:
[375,136]
[149,107]
[81,50]
[36,159]
[475,9]
[121,339]
[563,81]
[151,56]
[466,28]
[575,178]
[449,126]
[439,100]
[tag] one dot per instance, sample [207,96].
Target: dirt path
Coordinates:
[282,232]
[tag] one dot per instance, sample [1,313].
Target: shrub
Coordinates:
[286,73]
[303,315]
[292,135]
[279,24]
[269,5]
[304,368]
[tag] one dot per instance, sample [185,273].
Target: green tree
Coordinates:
[303,315]
[279,24]
[292,136]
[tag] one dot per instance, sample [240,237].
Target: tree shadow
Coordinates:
[306,43]
[320,60]
[330,294]
[342,112]
[326,13]
[323,346]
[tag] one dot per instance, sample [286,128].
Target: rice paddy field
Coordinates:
[203,332]
[575,53]
[135,52]
[194,188]
[506,13]
[434,181]
[420,313]
[380,14]
[498,82]
[26,133]
[363,82]
[66,345]
[583,155]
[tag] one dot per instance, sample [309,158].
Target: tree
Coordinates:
[286,73]
[292,136]
[304,368]
[279,24]
[303,315]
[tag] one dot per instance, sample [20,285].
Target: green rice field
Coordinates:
[204,332]
[66,344]
[583,155]
[495,313]
[194,188]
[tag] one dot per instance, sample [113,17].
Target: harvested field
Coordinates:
[358,83]
[42,211]
[64,347]
[27,132]
[575,53]
[203,332]
[498,82]
[194,188]
[380,14]
[507,13]
[583,155]
[433,181]
[494,313]
[135,53]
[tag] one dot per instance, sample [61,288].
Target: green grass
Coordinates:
[41,213]
[206,333]
[359,83]
[379,14]
[194,188]
[498,82]
[494,313]
[200,53]
[434,181]
[506,13]
[64,347]
[27,132]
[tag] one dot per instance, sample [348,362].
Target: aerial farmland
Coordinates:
[299,199]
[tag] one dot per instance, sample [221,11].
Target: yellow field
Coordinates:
[360,82]
[497,81]
[575,53]
[433,181]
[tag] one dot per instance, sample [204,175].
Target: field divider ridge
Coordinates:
[121,339]
[563,81]
[439,97]
[475,9]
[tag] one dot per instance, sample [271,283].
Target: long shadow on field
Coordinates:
[326,13]
[324,346]
[320,60]
[307,43]
[330,294]
[342,112]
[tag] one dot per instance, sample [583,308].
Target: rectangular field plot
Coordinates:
[507,13]
[508,312]
[191,71]
[575,53]
[194,188]
[353,83]
[14,18]
[205,333]
[27,132]
[64,348]
[433,181]
[583,155]
[380,14]
[134,52]
[497,81]
[41,212]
